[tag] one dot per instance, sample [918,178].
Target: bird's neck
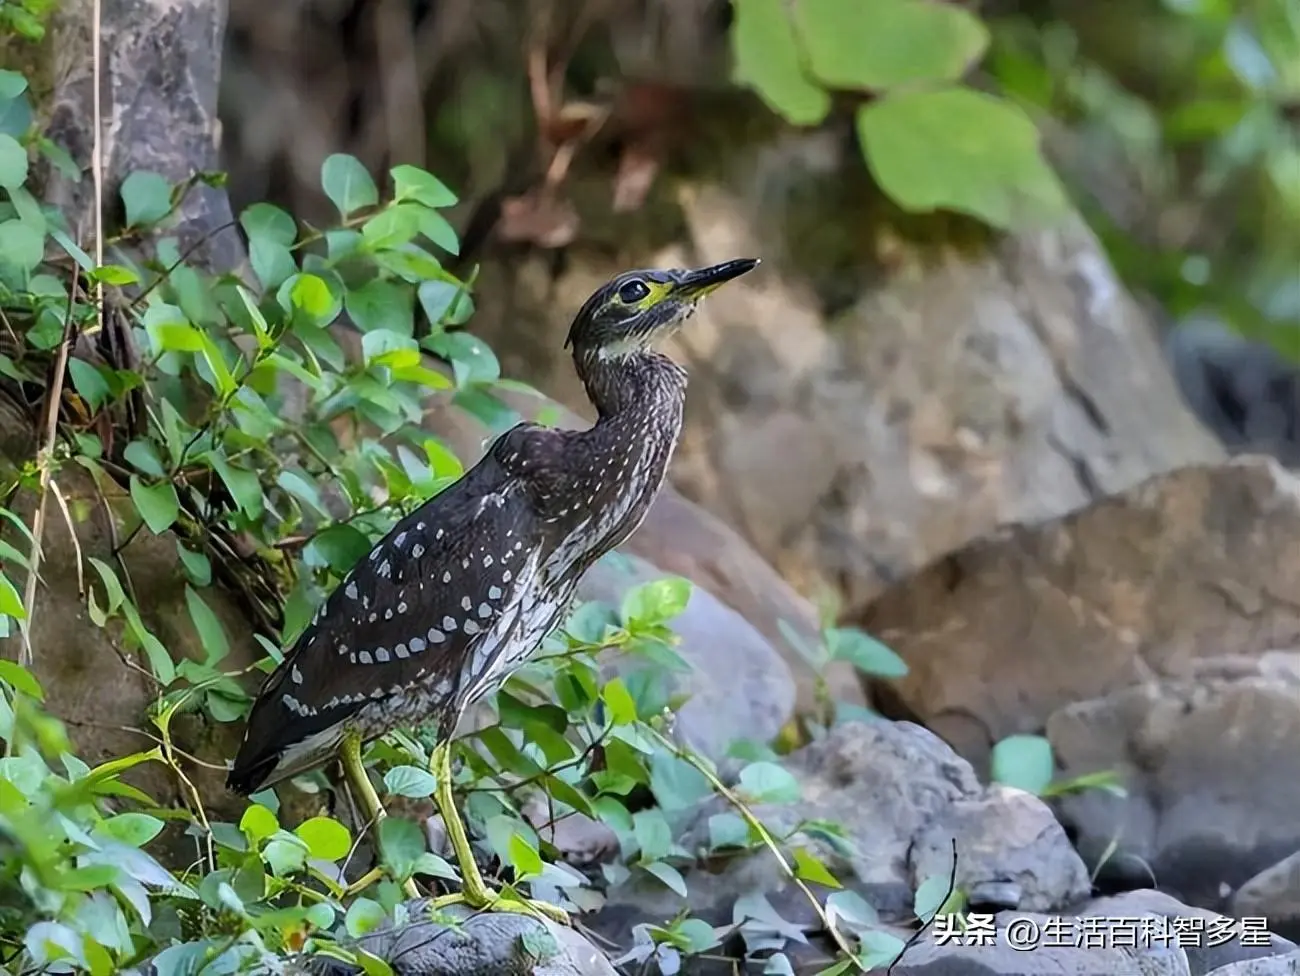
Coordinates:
[631,385]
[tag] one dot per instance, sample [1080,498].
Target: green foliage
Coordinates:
[1185,111]
[930,142]
[1027,763]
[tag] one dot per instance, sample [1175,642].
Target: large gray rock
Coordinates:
[1212,777]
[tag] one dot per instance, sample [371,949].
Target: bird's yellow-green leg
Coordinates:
[473,890]
[355,771]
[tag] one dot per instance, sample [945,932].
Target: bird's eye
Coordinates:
[633,292]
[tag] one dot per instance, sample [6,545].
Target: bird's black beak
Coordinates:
[694,285]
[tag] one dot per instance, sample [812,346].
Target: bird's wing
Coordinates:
[409,615]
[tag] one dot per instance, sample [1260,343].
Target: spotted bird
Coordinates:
[461,591]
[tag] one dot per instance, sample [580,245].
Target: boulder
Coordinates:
[1192,564]
[1212,781]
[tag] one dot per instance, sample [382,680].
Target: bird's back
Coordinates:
[461,591]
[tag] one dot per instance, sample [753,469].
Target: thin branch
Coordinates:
[916,936]
[45,462]
[769,841]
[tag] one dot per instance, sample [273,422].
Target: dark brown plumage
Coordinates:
[461,591]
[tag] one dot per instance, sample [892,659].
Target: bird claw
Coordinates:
[491,901]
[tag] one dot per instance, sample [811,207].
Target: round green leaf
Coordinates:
[136,829]
[881,44]
[1023,761]
[262,221]
[13,162]
[961,150]
[338,547]
[363,916]
[12,84]
[347,183]
[766,782]
[21,246]
[401,843]
[147,198]
[767,60]
[326,838]
[410,781]
[656,602]
[157,504]
[258,822]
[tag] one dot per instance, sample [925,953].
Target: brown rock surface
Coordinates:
[1193,564]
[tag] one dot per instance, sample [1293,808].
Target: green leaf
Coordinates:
[392,227]
[1025,762]
[147,198]
[312,295]
[363,916]
[21,246]
[668,874]
[115,274]
[727,830]
[766,782]
[540,944]
[656,602]
[142,455]
[768,60]
[653,835]
[89,382]
[810,868]
[157,504]
[437,298]
[258,823]
[211,634]
[410,781]
[878,949]
[622,709]
[676,784]
[382,304]
[13,162]
[471,359]
[17,676]
[930,897]
[339,547]
[384,348]
[348,184]
[136,829]
[401,843]
[960,150]
[413,183]
[436,228]
[523,857]
[270,223]
[881,44]
[12,84]
[865,653]
[197,565]
[244,486]
[326,838]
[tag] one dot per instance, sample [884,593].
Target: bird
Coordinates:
[460,592]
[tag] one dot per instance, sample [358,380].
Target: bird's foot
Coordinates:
[492,901]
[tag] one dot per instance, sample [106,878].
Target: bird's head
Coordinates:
[630,313]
